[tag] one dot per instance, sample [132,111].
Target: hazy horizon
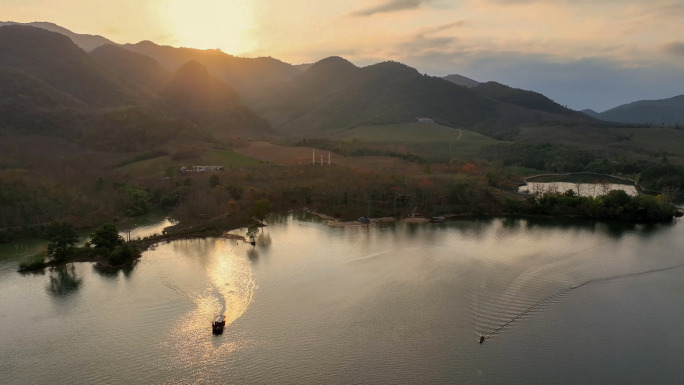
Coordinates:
[596,55]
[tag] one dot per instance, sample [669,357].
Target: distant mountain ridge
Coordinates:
[661,111]
[461,80]
[85,41]
[248,76]
[591,113]
[335,94]
[332,94]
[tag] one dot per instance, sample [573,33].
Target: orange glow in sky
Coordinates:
[208,24]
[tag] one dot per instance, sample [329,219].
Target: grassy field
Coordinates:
[228,158]
[655,140]
[154,167]
[401,133]
[431,141]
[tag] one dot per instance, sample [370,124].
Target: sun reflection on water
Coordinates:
[230,289]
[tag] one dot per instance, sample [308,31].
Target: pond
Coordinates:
[580,189]
[559,301]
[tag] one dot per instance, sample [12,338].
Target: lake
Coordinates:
[560,301]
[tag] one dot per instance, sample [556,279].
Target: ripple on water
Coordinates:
[229,290]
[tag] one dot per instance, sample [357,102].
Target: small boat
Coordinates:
[218,324]
[364,220]
[482,339]
[437,219]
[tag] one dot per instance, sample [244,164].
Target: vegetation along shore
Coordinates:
[217,144]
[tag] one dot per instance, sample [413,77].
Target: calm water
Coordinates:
[561,302]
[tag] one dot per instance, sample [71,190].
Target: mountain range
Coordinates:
[92,91]
[252,77]
[66,91]
[105,98]
[334,94]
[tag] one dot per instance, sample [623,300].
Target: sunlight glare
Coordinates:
[210,24]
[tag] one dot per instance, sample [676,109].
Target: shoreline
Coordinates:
[147,243]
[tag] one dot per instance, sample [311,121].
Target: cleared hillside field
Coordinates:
[405,133]
[157,167]
[648,143]
[294,156]
[429,140]
[655,140]
[229,158]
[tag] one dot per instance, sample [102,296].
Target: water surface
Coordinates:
[561,302]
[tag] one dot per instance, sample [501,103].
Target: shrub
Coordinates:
[35,263]
[106,238]
[122,255]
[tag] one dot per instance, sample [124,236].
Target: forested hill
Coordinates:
[461,80]
[50,86]
[335,94]
[133,68]
[59,63]
[663,111]
[528,99]
[193,93]
[248,76]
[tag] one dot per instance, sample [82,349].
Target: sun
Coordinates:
[207,24]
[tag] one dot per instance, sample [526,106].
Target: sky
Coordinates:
[581,53]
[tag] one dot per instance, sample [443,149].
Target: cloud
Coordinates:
[391,6]
[423,46]
[440,28]
[669,10]
[675,48]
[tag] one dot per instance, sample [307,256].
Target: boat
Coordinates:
[218,324]
[364,220]
[437,219]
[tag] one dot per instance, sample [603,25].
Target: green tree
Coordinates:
[214,180]
[106,238]
[252,231]
[61,237]
[616,199]
[260,209]
[123,254]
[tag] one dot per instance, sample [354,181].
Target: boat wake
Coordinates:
[551,298]
[503,294]
[232,282]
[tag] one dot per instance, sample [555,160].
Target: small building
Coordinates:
[185,169]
